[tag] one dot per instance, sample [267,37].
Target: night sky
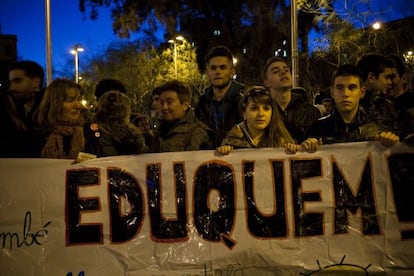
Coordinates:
[26,19]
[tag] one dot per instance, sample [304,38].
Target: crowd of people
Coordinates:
[369,100]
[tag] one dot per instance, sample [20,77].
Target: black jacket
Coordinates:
[380,110]
[220,116]
[298,117]
[16,142]
[404,107]
[332,128]
[121,140]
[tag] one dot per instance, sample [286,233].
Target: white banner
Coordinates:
[347,207]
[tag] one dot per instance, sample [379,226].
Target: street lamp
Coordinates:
[75,51]
[409,59]
[174,41]
[376,25]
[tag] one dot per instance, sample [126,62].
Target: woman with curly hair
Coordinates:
[112,132]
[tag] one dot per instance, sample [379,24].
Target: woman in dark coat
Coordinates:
[111,132]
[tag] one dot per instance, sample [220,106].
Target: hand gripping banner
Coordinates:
[347,207]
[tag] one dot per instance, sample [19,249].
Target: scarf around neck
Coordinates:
[54,147]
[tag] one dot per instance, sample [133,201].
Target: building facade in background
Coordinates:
[8,55]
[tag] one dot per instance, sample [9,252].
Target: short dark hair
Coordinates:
[219,51]
[399,64]
[373,63]
[270,61]
[347,70]
[183,91]
[31,69]
[108,84]
[327,99]
[302,92]
[155,91]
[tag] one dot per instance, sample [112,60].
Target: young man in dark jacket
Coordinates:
[348,122]
[377,74]
[18,105]
[218,107]
[402,98]
[297,114]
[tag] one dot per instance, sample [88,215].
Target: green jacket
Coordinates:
[186,134]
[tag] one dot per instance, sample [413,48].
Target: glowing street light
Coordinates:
[376,25]
[174,41]
[75,51]
[409,58]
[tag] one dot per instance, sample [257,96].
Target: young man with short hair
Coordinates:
[377,74]
[402,98]
[26,88]
[17,107]
[218,106]
[296,113]
[349,122]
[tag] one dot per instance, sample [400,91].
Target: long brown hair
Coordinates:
[275,134]
[47,115]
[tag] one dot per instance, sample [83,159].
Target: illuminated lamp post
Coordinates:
[376,25]
[75,51]
[409,59]
[174,41]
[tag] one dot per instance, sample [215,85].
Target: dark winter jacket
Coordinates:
[220,116]
[404,107]
[332,128]
[186,134]
[380,110]
[403,102]
[17,141]
[406,125]
[298,117]
[101,141]
[238,137]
